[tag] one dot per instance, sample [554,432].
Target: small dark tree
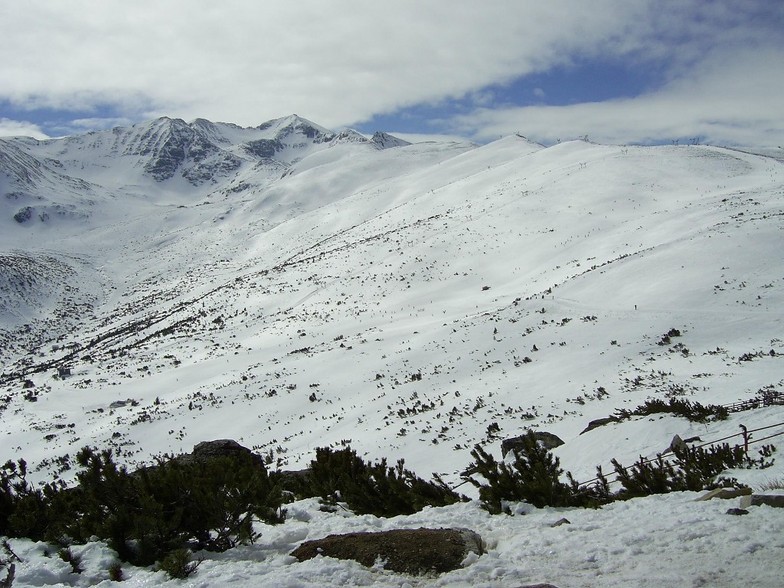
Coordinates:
[179,564]
[372,488]
[693,411]
[694,468]
[24,510]
[534,476]
[209,503]
[648,477]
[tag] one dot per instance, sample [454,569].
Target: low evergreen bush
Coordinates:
[694,468]
[371,488]
[116,572]
[207,504]
[67,555]
[693,411]
[534,476]
[26,511]
[179,564]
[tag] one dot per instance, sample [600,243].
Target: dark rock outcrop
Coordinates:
[410,551]
[386,141]
[737,511]
[599,423]
[774,500]
[208,450]
[218,448]
[548,440]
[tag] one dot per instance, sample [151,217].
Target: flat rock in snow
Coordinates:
[774,500]
[410,551]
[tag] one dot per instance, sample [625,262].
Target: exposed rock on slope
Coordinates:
[410,551]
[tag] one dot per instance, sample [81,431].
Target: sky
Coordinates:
[612,71]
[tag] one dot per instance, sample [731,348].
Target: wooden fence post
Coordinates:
[746,438]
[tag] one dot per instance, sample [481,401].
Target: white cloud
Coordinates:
[336,62]
[343,61]
[733,98]
[20,128]
[100,123]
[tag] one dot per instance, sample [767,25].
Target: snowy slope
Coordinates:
[290,288]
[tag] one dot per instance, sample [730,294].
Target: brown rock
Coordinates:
[596,423]
[737,511]
[774,500]
[724,493]
[411,551]
[547,440]
[209,450]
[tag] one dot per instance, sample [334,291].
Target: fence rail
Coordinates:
[767,398]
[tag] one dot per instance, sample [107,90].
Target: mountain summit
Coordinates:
[200,153]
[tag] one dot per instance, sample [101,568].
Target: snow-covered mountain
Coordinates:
[424,297]
[291,287]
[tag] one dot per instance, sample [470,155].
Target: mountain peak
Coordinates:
[386,141]
[294,122]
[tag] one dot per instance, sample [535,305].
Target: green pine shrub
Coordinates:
[534,476]
[25,511]
[371,488]
[693,411]
[179,564]
[116,572]
[210,504]
[648,477]
[694,468]
[67,555]
[206,504]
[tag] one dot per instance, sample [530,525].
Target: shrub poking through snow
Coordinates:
[534,476]
[179,564]
[25,510]
[67,555]
[210,504]
[116,572]
[372,488]
[693,411]
[694,468]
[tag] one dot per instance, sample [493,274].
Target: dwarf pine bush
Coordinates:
[694,468]
[207,504]
[372,488]
[179,564]
[693,411]
[534,476]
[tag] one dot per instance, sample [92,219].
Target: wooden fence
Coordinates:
[766,398]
